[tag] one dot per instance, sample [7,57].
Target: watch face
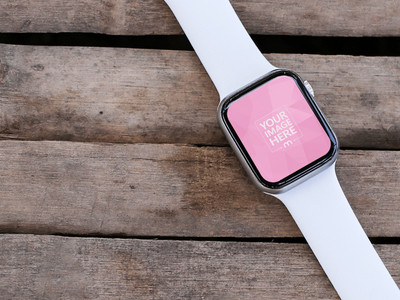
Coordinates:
[278,129]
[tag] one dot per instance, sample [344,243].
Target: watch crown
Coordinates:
[309,87]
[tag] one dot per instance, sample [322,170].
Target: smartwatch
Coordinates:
[286,145]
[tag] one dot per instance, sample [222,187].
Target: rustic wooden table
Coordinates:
[116,182]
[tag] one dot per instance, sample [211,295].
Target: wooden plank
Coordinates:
[147,17]
[52,267]
[169,190]
[133,95]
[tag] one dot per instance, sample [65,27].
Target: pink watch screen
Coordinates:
[278,128]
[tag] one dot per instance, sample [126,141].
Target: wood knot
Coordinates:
[25,25]
[109,4]
[38,67]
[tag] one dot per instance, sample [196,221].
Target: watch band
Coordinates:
[318,205]
[337,239]
[224,47]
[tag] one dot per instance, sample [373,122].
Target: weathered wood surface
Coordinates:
[156,96]
[166,188]
[49,267]
[169,190]
[147,17]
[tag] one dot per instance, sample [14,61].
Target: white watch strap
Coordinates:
[223,45]
[318,205]
[337,239]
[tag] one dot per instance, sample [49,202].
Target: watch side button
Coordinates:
[309,87]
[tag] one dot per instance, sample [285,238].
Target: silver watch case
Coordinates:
[310,170]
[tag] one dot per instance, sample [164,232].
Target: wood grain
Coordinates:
[49,267]
[169,190]
[165,187]
[149,17]
[155,96]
